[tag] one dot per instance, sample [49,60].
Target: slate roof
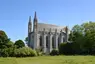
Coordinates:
[42,26]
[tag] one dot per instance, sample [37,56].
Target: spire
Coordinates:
[30,20]
[35,16]
[35,22]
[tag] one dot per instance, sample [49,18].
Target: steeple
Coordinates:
[30,20]
[35,17]
[29,25]
[35,22]
[29,31]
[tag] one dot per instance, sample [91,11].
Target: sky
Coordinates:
[14,14]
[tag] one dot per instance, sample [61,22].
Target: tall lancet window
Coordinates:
[53,42]
[47,44]
[40,41]
[58,41]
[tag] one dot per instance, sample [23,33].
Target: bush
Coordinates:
[66,48]
[4,53]
[21,52]
[54,52]
[19,44]
[25,52]
[39,51]
[7,52]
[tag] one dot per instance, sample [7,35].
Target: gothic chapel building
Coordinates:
[45,36]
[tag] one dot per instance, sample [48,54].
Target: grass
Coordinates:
[50,60]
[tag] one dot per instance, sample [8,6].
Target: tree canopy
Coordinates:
[19,44]
[3,39]
[83,37]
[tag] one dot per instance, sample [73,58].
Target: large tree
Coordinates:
[19,44]
[77,38]
[89,29]
[83,37]
[3,39]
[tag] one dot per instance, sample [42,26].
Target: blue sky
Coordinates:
[14,14]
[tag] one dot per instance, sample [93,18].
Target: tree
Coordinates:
[65,48]
[19,44]
[10,44]
[26,40]
[3,39]
[90,37]
[77,38]
[83,38]
[3,34]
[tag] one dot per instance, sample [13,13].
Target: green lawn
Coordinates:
[50,60]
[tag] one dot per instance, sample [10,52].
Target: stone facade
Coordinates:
[45,36]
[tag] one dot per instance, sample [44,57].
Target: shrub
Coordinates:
[39,51]
[21,52]
[66,48]
[24,52]
[54,52]
[7,52]
[4,53]
[19,44]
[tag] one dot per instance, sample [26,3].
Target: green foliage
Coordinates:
[83,38]
[10,44]
[66,48]
[17,49]
[19,44]
[39,51]
[3,39]
[7,52]
[21,52]
[24,52]
[54,52]
[3,34]
[26,40]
